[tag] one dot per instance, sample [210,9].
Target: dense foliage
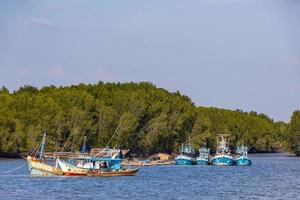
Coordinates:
[138,116]
[293,139]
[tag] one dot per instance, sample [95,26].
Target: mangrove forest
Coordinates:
[135,116]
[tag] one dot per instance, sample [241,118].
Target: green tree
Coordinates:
[294,130]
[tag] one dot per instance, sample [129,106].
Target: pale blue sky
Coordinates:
[223,53]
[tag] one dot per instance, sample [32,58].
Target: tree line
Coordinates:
[136,116]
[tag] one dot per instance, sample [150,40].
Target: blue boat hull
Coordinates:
[222,161]
[243,161]
[183,160]
[202,162]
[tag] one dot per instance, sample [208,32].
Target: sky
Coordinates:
[222,53]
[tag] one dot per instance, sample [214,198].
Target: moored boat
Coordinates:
[242,158]
[222,160]
[184,160]
[186,155]
[222,156]
[203,159]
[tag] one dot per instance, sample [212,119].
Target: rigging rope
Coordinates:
[73,133]
[191,140]
[8,172]
[140,132]
[108,142]
[22,165]
[112,136]
[35,149]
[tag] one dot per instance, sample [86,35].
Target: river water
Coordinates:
[272,176]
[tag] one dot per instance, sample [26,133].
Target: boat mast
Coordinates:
[43,145]
[83,149]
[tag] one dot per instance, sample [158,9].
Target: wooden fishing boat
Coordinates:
[80,165]
[37,167]
[71,170]
[123,172]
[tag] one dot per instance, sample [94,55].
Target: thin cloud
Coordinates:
[42,22]
[101,73]
[291,60]
[56,6]
[23,73]
[293,1]
[55,71]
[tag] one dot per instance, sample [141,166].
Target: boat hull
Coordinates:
[71,170]
[74,173]
[243,161]
[184,160]
[37,168]
[125,172]
[201,161]
[222,160]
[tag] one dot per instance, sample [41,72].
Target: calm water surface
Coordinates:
[272,176]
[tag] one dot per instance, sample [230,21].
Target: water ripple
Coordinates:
[272,176]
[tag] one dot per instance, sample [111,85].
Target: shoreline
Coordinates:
[10,155]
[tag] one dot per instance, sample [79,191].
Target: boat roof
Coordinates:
[96,158]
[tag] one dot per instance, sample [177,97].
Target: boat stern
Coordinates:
[201,161]
[184,160]
[222,160]
[243,161]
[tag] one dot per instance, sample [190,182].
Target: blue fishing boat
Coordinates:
[98,162]
[203,159]
[106,160]
[110,166]
[186,155]
[184,160]
[242,158]
[81,165]
[222,156]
